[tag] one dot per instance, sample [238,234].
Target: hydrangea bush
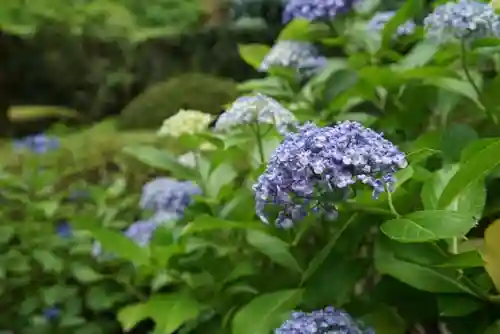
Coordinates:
[363,195]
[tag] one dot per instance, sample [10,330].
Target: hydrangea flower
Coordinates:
[252,109]
[465,19]
[51,313]
[324,321]
[39,143]
[301,56]
[316,10]
[168,195]
[185,122]
[64,230]
[314,165]
[379,20]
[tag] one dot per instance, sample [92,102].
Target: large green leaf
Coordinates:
[420,54]
[160,159]
[266,312]
[322,255]
[222,175]
[457,306]
[429,225]
[417,275]
[296,30]
[471,171]
[491,252]
[471,200]
[253,54]
[276,249]
[206,223]
[121,246]
[406,12]
[169,312]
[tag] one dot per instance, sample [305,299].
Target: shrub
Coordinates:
[189,91]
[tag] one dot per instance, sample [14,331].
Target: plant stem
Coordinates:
[258,137]
[391,204]
[468,75]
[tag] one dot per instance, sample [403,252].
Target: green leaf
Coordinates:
[405,13]
[471,259]
[84,273]
[335,280]
[385,320]
[268,309]
[98,298]
[224,174]
[321,256]
[471,200]
[420,55]
[491,252]
[7,232]
[206,223]
[458,86]
[429,225]
[274,248]
[253,54]
[415,274]
[339,82]
[129,316]
[296,30]
[457,306]
[49,261]
[170,311]
[455,139]
[121,246]
[470,172]
[159,159]
[33,113]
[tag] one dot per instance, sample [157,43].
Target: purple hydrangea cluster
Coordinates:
[168,195]
[314,165]
[301,56]
[326,321]
[38,144]
[316,10]
[463,20]
[379,20]
[256,109]
[168,198]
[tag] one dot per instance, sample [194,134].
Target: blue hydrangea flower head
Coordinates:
[51,313]
[256,109]
[314,165]
[64,230]
[380,19]
[466,19]
[38,144]
[316,10]
[168,195]
[326,321]
[301,56]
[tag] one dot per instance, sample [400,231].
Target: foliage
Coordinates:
[399,230]
[188,91]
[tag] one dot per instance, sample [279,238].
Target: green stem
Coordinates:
[391,204]
[258,137]
[468,75]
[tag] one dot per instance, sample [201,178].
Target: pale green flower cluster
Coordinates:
[185,122]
